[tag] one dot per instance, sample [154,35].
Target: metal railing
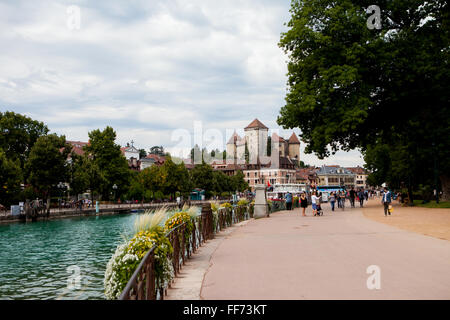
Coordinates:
[143,283]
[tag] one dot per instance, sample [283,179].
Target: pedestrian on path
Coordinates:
[361,198]
[342,198]
[288,198]
[303,203]
[387,199]
[332,200]
[352,197]
[315,202]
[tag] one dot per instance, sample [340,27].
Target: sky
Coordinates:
[159,72]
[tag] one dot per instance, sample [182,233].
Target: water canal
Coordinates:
[35,257]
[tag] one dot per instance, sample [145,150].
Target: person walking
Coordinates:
[342,197]
[315,202]
[386,200]
[352,194]
[361,198]
[332,200]
[288,198]
[303,203]
[338,198]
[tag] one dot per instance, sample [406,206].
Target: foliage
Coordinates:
[441,204]
[85,175]
[177,220]
[242,202]
[226,205]
[106,154]
[127,257]
[10,179]
[142,153]
[157,150]
[18,134]
[46,165]
[149,221]
[351,87]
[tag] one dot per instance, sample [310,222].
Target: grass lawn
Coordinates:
[432,204]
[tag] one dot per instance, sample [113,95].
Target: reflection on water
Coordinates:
[34,257]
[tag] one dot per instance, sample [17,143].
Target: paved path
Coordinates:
[288,256]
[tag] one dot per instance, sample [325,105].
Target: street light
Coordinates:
[60,187]
[114,188]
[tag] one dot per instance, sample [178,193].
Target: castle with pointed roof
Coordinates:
[256,140]
[260,167]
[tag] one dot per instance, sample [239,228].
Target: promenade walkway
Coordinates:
[288,256]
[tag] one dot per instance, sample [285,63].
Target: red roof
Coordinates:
[157,158]
[293,139]
[357,170]
[235,137]
[77,147]
[256,124]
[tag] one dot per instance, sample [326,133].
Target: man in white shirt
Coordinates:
[387,199]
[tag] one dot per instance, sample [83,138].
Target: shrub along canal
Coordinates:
[35,258]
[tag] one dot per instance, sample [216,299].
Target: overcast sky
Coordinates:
[148,68]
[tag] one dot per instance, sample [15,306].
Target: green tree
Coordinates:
[10,179]
[137,188]
[238,182]
[246,153]
[196,155]
[106,154]
[18,134]
[47,163]
[269,146]
[351,87]
[142,153]
[202,177]
[158,150]
[85,175]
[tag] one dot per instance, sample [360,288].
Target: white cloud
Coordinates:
[146,68]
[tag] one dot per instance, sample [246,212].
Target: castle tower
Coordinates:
[294,148]
[256,138]
[232,146]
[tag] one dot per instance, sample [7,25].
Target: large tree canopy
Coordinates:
[18,134]
[354,87]
[107,156]
[47,163]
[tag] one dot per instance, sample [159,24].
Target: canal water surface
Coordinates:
[37,259]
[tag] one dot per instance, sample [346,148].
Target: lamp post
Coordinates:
[436,184]
[114,188]
[60,187]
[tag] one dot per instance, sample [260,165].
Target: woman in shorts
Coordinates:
[303,203]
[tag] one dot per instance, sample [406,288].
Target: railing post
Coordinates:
[207,219]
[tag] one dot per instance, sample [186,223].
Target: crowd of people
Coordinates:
[338,199]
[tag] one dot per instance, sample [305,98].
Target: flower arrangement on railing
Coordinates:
[296,202]
[243,202]
[128,255]
[226,205]
[251,208]
[276,204]
[228,216]
[215,211]
[177,220]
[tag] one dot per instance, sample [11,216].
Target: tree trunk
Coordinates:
[410,196]
[445,185]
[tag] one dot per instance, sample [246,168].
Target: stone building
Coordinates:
[261,168]
[336,176]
